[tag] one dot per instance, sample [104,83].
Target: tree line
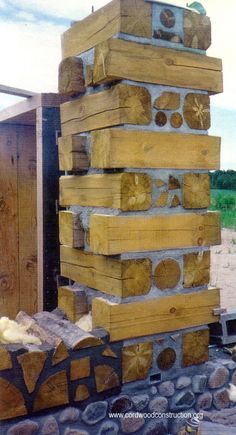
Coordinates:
[223,179]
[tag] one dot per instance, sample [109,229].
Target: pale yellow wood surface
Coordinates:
[122,104]
[196,190]
[120,148]
[5,359]
[52,392]
[70,231]
[116,277]
[127,16]
[32,364]
[117,59]
[12,403]
[72,153]
[111,235]
[154,316]
[196,269]
[73,302]
[125,191]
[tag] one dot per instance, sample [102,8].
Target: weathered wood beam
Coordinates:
[125,191]
[121,278]
[111,235]
[120,148]
[73,302]
[72,153]
[117,59]
[71,232]
[122,104]
[127,16]
[171,313]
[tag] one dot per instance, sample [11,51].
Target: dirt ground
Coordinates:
[223,268]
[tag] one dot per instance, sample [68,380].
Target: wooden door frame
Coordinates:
[42,111]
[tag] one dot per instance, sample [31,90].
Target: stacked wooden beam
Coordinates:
[135,232]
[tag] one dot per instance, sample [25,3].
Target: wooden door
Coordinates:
[18,227]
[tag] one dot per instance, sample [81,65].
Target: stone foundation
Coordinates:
[200,390]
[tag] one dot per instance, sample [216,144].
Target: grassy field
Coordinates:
[222,200]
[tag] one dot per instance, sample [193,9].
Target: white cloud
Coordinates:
[31,55]
[72,9]
[25,16]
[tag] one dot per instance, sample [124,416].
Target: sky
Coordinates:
[30,50]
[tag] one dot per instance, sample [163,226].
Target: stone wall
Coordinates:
[202,390]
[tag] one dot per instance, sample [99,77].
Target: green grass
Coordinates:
[228,214]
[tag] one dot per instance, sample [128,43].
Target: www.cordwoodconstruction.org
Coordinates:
[160,415]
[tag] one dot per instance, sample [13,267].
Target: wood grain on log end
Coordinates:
[196,190]
[167,274]
[196,269]
[109,353]
[173,183]
[160,183]
[162,199]
[197,111]
[60,354]
[167,101]
[136,361]
[176,120]
[195,347]
[136,190]
[52,392]
[5,359]
[160,119]
[12,402]
[106,378]
[136,276]
[32,364]
[175,201]
[71,77]
[82,393]
[197,30]
[136,18]
[80,368]
[166,359]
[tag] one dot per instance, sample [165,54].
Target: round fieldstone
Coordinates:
[199,383]
[221,399]
[70,431]
[204,401]
[156,428]
[132,424]
[27,427]
[233,379]
[109,428]
[153,391]
[121,404]
[231,365]
[182,401]
[69,414]
[166,389]
[94,412]
[159,404]
[218,377]
[140,402]
[50,426]
[183,382]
